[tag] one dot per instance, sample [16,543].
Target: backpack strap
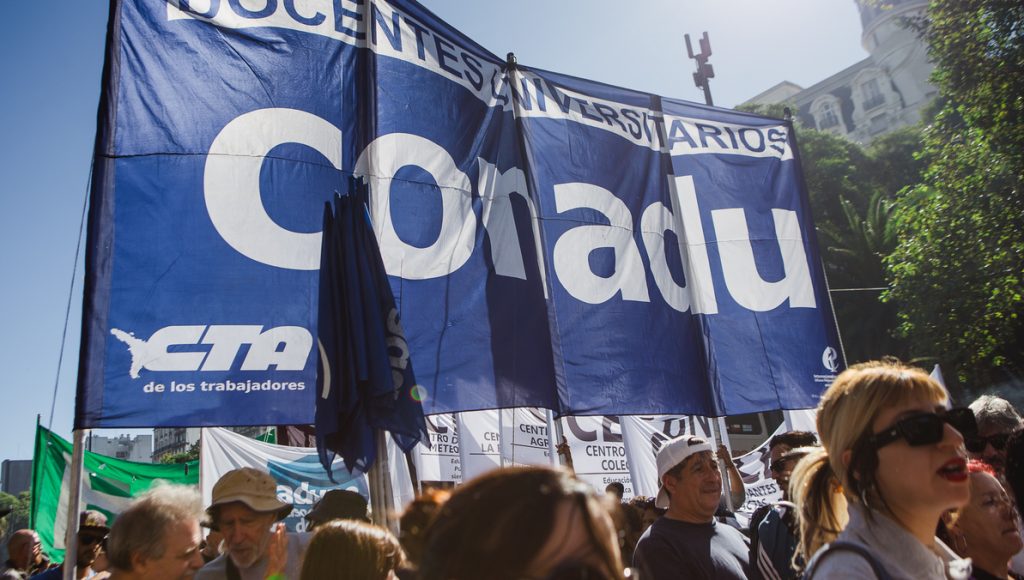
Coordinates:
[876,566]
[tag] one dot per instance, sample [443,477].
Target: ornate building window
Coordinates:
[873,96]
[828,115]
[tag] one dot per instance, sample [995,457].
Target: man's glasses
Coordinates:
[927,428]
[779,466]
[977,443]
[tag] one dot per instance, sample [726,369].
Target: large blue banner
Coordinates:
[551,242]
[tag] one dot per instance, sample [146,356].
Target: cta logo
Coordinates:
[174,348]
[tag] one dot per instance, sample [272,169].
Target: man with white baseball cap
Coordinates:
[245,510]
[688,542]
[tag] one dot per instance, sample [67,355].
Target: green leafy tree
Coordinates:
[835,169]
[854,257]
[895,161]
[776,110]
[958,268]
[19,516]
[191,454]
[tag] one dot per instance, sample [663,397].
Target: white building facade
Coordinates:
[128,447]
[879,94]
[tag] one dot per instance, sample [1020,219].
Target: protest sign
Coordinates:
[598,453]
[551,242]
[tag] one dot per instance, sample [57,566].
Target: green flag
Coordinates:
[108,484]
[268,436]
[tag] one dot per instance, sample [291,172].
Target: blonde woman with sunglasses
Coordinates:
[892,461]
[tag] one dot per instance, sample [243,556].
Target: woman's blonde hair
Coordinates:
[822,483]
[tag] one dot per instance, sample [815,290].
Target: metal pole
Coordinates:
[501,438]
[552,444]
[414,476]
[74,501]
[723,436]
[381,495]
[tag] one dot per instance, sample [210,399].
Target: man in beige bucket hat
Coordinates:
[245,509]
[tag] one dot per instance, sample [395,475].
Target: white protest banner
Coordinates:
[524,437]
[479,442]
[402,489]
[441,462]
[644,436]
[802,420]
[761,489]
[301,479]
[598,453]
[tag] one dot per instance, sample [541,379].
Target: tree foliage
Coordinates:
[957,270]
[19,516]
[191,454]
[854,257]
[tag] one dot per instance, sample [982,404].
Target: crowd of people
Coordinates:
[896,484]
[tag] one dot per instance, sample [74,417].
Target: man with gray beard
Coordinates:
[245,510]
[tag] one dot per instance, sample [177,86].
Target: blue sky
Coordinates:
[52,56]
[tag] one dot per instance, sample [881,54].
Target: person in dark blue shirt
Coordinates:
[688,542]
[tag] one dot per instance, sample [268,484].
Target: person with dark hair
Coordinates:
[628,520]
[648,511]
[416,519]
[997,419]
[778,446]
[891,463]
[338,504]
[522,522]
[774,529]
[92,532]
[783,442]
[615,489]
[349,549]
[246,509]
[157,537]
[688,539]
[985,530]
[210,546]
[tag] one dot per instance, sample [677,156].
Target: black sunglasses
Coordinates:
[977,443]
[779,466]
[90,539]
[927,428]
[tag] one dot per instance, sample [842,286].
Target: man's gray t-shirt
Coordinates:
[672,549]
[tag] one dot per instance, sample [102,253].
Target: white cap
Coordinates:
[672,454]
